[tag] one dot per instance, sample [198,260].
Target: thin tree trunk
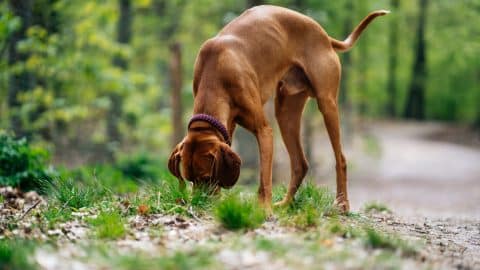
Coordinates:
[344,95]
[392,62]
[23,80]
[176,88]
[415,106]
[124,34]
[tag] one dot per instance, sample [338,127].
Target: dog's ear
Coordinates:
[228,167]
[174,164]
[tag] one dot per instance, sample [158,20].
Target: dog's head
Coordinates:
[205,160]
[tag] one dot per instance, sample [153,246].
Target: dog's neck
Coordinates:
[218,109]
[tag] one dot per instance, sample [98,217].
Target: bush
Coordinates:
[140,167]
[23,166]
[235,212]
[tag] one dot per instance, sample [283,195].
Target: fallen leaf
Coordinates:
[143,209]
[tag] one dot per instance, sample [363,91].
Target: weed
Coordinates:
[236,212]
[109,225]
[376,206]
[16,255]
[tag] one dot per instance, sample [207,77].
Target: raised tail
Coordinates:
[347,44]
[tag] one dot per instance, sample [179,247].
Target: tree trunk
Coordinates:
[415,106]
[392,61]
[18,81]
[176,87]
[124,34]
[344,98]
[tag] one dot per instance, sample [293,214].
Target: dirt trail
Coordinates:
[432,186]
[417,176]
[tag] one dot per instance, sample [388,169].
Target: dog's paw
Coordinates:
[343,205]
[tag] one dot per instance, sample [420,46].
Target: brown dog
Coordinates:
[265,50]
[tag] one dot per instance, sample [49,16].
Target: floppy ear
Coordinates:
[174,164]
[228,167]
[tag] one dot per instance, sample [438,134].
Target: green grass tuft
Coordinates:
[16,255]
[235,212]
[109,225]
[75,195]
[310,204]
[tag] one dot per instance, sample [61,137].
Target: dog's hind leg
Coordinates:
[289,104]
[324,76]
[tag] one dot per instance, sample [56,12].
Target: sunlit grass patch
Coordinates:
[376,206]
[310,204]
[109,225]
[236,212]
[16,254]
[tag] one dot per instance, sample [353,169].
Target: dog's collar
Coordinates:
[214,122]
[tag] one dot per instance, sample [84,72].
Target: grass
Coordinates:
[69,193]
[109,225]
[379,240]
[310,204]
[236,212]
[376,206]
[55,213]
[16,255]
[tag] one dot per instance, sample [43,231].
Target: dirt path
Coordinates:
[432,186]
[416,176]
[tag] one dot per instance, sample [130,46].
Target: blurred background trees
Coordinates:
[93,79]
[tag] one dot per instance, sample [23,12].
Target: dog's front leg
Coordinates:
[264,136]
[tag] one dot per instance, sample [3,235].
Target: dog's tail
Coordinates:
[347,44]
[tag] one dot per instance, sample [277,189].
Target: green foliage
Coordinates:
[236,212]
[108,176]
[109,225]
[22,165]
[310,204]
[16,255]
[139,167]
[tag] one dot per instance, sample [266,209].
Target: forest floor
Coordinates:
[428,218]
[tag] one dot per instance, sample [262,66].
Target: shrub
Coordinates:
[235,212]
[21,165]
[140,167]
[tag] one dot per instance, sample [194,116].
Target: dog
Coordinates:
[267,50]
